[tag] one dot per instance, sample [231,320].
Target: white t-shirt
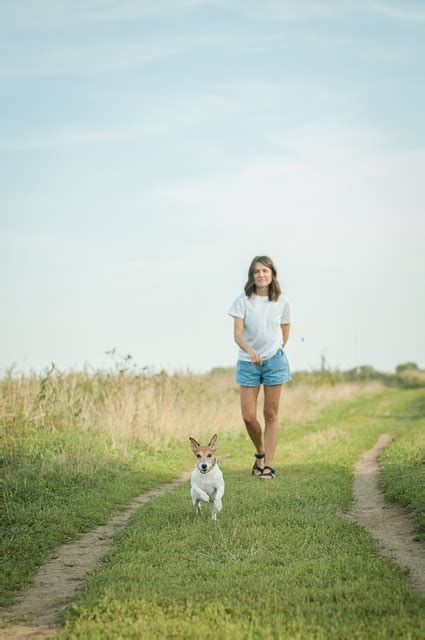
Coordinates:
[262,320]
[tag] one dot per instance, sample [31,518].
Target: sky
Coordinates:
[149,149]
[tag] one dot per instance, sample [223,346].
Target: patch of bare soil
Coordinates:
[389,523]
[18,632]
[58,580]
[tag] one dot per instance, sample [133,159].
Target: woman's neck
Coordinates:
[262,291]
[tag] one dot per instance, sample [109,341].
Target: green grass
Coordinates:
[403,465]
[55,485]
[283,561]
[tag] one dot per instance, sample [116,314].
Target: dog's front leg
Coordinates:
[217,504]
[198,496]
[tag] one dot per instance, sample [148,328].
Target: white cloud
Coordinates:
[301,10]
[334,193]
[27,15]
[184,111]
[68,54]
[53,14]
[70,137]
[402,12]
[56,57]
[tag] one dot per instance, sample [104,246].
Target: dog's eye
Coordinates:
[209,455]
[198,455]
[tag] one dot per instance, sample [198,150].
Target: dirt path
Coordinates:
[56,583]
[389,523]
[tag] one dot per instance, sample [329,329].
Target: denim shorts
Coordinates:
[275,370]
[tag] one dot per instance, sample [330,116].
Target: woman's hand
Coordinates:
[255,356]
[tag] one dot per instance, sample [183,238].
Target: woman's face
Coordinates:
[262,275]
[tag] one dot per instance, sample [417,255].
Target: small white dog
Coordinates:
[207,479]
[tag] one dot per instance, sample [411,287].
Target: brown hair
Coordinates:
[274,287]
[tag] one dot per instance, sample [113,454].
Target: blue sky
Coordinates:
[150,149]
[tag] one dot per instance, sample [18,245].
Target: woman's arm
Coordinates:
[242,343]
[285,332]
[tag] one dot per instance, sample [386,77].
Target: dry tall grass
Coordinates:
[151,409]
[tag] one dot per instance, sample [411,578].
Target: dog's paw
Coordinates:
[217,506]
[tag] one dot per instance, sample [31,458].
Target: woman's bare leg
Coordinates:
[271,410]
[249,397]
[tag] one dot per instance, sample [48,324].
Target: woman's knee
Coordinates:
[250,419]
[270,415]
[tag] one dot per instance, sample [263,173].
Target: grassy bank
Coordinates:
[283,561]
[403,464]
[56,485]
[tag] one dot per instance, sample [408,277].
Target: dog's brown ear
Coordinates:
[194,444]
[213,442]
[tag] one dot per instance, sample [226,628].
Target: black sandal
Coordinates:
[269,474]
[259,456]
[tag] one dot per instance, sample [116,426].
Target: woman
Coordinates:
[261,328]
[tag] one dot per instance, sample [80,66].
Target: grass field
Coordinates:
[283,561]
[75,447]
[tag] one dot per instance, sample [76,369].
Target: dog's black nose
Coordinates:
[204,466]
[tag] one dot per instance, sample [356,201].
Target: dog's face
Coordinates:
[204,454]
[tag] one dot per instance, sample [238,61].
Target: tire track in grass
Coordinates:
[57,581]
[390,524]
